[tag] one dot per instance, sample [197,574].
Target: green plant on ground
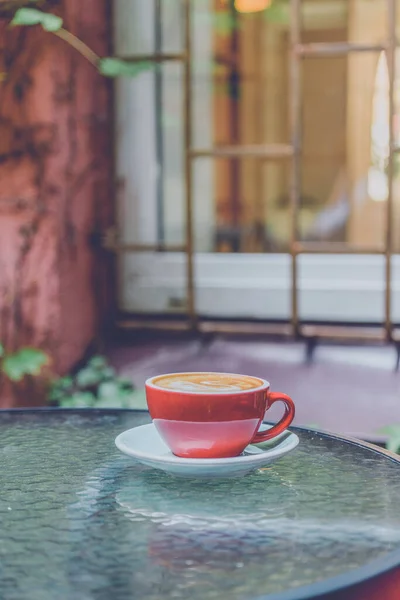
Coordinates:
[21,363]
[96,385]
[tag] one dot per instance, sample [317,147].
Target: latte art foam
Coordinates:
[207,382]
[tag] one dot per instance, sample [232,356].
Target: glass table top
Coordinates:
[79,520]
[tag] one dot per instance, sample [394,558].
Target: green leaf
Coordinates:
[117,67]
[393,444]
[391,430]
[125,384]
[97,362]
[56,395]
[33,16]
[2,351]
[108,389]
[393,433]
[51,23]
[99,365]
[61,388]
[26,16]
[108,373]
[27,361]
[113,395]
[65,383]
[87,377]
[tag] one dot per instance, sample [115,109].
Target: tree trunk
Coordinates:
[55,187]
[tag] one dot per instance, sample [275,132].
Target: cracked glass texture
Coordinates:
[79,520]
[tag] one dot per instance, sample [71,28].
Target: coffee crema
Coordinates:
[207,382]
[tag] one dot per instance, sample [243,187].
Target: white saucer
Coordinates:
[145,444]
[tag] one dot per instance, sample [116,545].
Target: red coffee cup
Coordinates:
[203,422]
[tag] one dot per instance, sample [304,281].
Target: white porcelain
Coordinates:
[145,444]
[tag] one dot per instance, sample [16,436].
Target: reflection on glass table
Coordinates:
[81,520]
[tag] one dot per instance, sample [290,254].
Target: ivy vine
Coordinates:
[108,66]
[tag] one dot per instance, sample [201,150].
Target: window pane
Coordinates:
[348,288]
[367,121]
[150,156]
[240,206]
[147,26]
[324,196]
[240,63]
[153,283]
[240,96]
[361,21]
[396,177]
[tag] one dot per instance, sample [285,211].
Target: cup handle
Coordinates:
[263,436]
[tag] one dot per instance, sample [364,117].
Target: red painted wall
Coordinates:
[55,187]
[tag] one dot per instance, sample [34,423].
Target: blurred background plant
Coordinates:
[393,437]
[96,385]
[21,363]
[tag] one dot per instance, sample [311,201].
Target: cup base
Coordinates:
[218,439]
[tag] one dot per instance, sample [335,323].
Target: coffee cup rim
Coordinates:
[149,383]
